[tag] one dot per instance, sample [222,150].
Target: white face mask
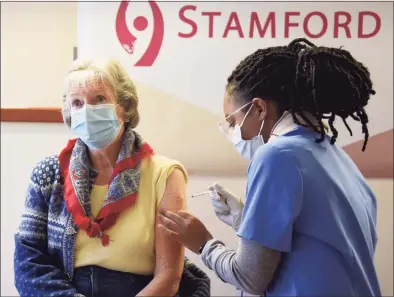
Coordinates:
[247,148]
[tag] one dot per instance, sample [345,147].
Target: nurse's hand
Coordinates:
[228,208]
[185,228]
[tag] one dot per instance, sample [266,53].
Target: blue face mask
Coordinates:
[96,125]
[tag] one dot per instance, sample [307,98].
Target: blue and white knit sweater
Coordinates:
[45,241]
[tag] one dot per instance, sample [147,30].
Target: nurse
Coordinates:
[308,227]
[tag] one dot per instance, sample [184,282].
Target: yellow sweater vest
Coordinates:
[132,238]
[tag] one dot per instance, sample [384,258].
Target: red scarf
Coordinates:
[108,214]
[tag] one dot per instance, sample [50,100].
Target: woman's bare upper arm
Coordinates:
[169,252]
[174,195]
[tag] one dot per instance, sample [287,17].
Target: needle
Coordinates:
[200,194]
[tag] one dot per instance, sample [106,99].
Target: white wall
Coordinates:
[37,41]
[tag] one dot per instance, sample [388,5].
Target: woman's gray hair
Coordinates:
[108,72]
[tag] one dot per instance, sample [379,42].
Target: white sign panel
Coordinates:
[184,52]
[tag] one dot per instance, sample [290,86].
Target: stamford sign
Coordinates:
[259,25]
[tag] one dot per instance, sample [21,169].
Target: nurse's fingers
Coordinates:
[214,195]
[220,207]
[185,215]
[173,217]
[169,224]
[167,231]
[223,192]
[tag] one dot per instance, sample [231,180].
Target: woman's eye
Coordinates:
[77,103]
[231,124]
[101,99]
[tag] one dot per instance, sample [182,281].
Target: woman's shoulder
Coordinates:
[159,161]
[46,171]
[161,165]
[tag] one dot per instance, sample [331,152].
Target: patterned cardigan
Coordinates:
[44,243]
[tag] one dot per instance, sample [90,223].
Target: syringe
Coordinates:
[200,194]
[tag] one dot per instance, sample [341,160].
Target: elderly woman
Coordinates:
[89,225]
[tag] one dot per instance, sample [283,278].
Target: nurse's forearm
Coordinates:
[250,268]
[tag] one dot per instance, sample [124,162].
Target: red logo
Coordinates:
[127,40]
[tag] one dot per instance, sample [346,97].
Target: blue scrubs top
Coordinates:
[310,201]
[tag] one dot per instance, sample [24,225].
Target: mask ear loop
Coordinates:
[116,105]
[261,128]
[250,108]
[120,123]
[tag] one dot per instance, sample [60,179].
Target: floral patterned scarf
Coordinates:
[78,177]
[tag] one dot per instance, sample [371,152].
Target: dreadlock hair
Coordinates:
[302,77]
